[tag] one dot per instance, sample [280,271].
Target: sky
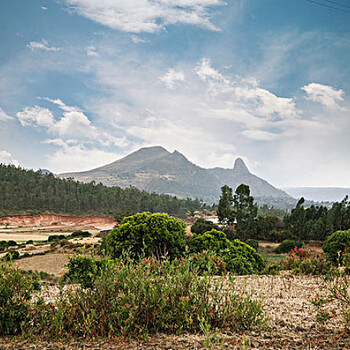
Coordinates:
[84,83]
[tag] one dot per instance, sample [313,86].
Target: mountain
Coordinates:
[319,194]
[154,169]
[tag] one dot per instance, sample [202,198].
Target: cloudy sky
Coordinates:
[85,82]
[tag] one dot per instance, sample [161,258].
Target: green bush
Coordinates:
[148,234]
[336,245]
[55,238]
[6,244]
[84,270]
[287,245]
[239,257]
[201,226]
[253,243]
[81,234]
[134,298]
[15,293]
[12,255]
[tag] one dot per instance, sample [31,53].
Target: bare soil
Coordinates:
[22,228]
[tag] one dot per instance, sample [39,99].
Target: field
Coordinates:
[292,318]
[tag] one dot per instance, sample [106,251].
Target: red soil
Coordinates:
[53,219]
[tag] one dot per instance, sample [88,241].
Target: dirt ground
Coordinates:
[22,228]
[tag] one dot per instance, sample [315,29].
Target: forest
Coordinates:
[32,192]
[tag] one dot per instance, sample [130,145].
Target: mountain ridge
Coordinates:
[155,169]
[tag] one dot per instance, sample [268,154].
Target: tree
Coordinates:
[224,211]
[244,212]
[150,234]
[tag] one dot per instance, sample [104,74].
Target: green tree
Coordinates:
[244,212]
[150,234]
[224,211]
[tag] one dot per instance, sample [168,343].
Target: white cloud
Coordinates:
[137,40]
[172,77]
[260,135]
[61,104]
[36,116]
[77,157]
[216,81]
[265,103]
[43,45]
[4,116]
[44,8]
[75,124]
[324,94]
[91,51]
[7,158]
[146,15]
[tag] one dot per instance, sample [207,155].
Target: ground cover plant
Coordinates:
[147,295]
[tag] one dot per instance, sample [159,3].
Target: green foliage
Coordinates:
[55,238]
[84,270]
[33,192]
[253,243]
[81,234]
[244,212]
[15,293]
[148,234]
[317,222]
[6,244]
[135,298]
[201,225]
[336,245]
[239,257]
[306,262]
[287,245]
[12,255]
[224,211]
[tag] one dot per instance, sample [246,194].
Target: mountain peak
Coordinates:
[240,166]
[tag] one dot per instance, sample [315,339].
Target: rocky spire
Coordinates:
[240,166]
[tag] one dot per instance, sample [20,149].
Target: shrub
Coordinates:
[149,234]
[201,225]
[55,238]
[81,234]
[12,255]
[239,257]
[84,270]
[306,262]
[287,245]
[253,243]
[337,244]
[134,298]
[15,293]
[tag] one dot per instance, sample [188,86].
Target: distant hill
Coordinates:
[319,194]
[154,169]
[32,192]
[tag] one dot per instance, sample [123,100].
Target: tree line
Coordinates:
[315,222]
[28,191]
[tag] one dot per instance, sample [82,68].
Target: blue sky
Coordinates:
[84,82]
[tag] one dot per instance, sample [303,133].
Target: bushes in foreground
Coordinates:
[15,294]
[132,299]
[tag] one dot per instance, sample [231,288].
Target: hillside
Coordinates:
[26,191]
[154,169]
